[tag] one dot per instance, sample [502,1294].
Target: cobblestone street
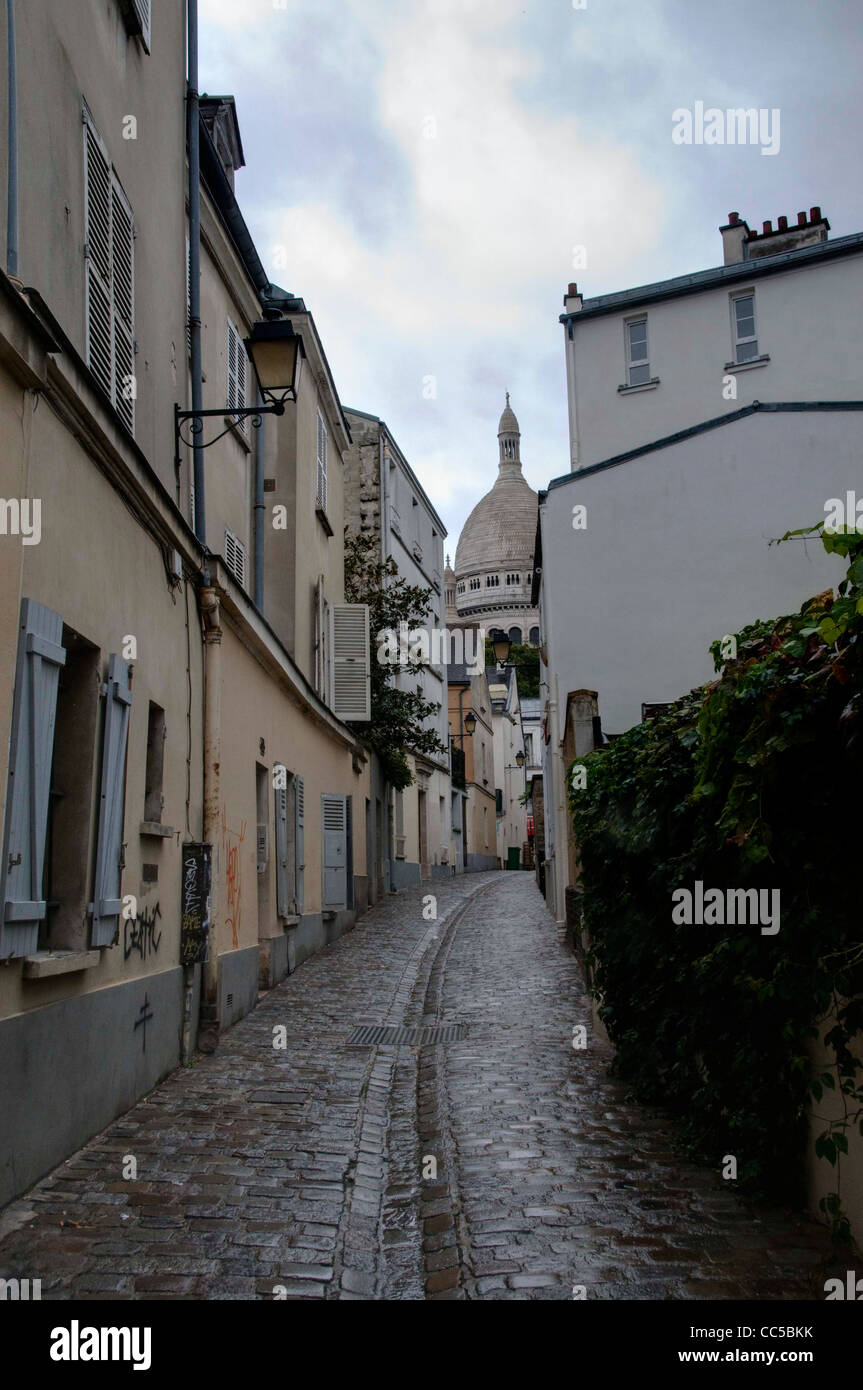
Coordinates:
[305,1171]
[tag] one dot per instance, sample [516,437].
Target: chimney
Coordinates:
[741,244]
[572,300]
[734,237]
[219,115]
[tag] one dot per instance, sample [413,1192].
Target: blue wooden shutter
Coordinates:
[31,746]
[107,902]
[282,904]
[335,866]
[300,841]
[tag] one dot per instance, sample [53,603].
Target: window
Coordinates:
[153,798]
[475,583]
[34,773]
[637,365]
[136,14]
[515,634]
[236,394]
[109,248]
[235,557]
[528,749]
[498,801]
[321,489]
[492,581]
[534,636]
[513,579]
[350,663]
[743,327]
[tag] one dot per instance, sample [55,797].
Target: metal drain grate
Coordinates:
[382,1034]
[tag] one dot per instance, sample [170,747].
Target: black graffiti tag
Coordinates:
[139,933]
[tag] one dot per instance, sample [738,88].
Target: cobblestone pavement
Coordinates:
[309,1171]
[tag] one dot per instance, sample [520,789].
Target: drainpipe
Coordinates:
[12,180]
[193,136]
[209,604]
[559,858]
[259,509]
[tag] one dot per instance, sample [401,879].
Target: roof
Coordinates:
[414,480]
[500,530]
[774,407]
[718,275]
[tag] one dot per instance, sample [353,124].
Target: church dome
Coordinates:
[501,529]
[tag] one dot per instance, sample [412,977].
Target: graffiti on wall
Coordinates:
[139,933]
[232,843]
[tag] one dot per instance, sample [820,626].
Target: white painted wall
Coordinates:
[807,321]
[676,552]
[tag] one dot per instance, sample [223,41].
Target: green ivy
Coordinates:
[751,782]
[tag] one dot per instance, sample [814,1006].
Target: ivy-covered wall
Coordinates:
[753,781]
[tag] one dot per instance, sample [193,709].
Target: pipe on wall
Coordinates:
[193,135]
[12,178]
[259,509]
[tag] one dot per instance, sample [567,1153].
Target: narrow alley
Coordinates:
[308,1159]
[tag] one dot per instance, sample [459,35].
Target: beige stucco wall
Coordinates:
[255,707]
[74,52]
[105,576]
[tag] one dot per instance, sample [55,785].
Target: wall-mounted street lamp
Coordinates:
[469,726]
[276,353]
[500,645]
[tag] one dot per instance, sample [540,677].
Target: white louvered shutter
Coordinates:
[31,746]
[321,488]
[142,10]
[236,373]
[282,903]
[107,902]
[235,556]
[300,840]
[97,248]
[335,859]
[350,677]
[123,282]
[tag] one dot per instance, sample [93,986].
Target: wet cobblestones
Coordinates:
[507,1165]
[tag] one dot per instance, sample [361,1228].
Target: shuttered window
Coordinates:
[350,680]
[142,9]
[335,856]
[137,14]
[31,744]
[321,490]
[236,398]
[300,839]
[282,897]
[235,557]
[109,246]
[105,908]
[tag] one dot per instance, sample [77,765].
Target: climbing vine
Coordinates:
[751,782]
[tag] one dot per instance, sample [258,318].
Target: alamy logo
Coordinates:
[437,647]
[734,126]
[17,518]
[852,1288]
[20,1290]
[77,1343]
[719,907]
[843,515]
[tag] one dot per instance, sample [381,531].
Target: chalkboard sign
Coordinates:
[195,905]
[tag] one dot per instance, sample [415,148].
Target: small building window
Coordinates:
[743,327]
[637,364]
[534,636]
[236,374]
[321,486]
[235,557]
[515,634]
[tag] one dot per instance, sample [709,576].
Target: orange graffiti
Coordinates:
[232,841]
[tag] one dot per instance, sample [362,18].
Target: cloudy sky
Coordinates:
[422,172]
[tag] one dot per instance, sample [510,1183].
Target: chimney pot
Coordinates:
[815,214]
[733,219]
[801,219]
[767,228]
[573,288]
[783,224]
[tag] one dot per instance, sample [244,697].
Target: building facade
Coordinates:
[385,499]
[510,786]
[475,818]
[183,804]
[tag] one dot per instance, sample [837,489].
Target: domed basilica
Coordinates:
[490,587]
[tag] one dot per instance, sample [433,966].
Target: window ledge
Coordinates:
[154,828]
[735,367]
[329,915]
[650,385]
[43,964]
[236,428]
[291,920]
[323,519]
